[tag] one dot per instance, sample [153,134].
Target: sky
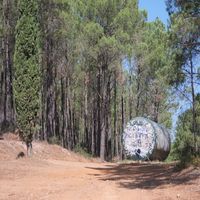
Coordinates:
[155,8]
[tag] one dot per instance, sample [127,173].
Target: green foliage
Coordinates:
[54,140]
[183,37]
[151,62]
[183,145]
[85,83]
[183,148]
[183,73]
[196,161]
[82,151]
[171,157]
[27,70]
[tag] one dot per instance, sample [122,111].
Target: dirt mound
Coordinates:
[9,149]
[44,150]
[10,136]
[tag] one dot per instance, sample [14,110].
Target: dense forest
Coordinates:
[75,72]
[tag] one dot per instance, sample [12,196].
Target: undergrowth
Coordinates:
[82,151]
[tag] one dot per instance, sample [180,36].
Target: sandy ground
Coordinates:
[65,176]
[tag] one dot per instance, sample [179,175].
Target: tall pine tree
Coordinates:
[184,52]
[27,70]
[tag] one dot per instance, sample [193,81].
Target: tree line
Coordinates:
[74,72]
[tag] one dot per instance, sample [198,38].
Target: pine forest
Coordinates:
[75,72]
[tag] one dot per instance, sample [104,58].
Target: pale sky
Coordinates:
[155,8]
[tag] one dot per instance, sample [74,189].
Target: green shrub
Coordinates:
[82,151]
[196,161]
[172,156]
[183,148]
[54,140]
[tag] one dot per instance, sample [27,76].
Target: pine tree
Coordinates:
[184,51]
[27,69]
[108,26]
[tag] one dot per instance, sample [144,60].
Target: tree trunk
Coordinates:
[103,114]
[50,98]
[156,106]
[7,111]
[193,105]
[86,134]
[138,91]
[98,138]
[64,112]
[122,125]
[94,129]
[116,143]
[129,99]
[105,84]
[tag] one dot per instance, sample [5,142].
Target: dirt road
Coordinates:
[54,173]
[33,179]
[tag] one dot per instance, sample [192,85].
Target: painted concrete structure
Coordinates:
[144,139]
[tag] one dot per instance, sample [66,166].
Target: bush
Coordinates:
[172,156]
[54,140]
[82,151]
[196,161]
[183,148]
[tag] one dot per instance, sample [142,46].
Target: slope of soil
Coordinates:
[55,173]
[11,146]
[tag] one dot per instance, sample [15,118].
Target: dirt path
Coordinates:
[32,179]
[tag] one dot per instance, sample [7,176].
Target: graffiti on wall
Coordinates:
[139,138]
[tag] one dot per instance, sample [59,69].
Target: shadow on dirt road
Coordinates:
[146,176]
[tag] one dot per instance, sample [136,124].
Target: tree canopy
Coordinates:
[75,72]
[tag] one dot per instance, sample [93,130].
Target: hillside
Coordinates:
[11,146]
